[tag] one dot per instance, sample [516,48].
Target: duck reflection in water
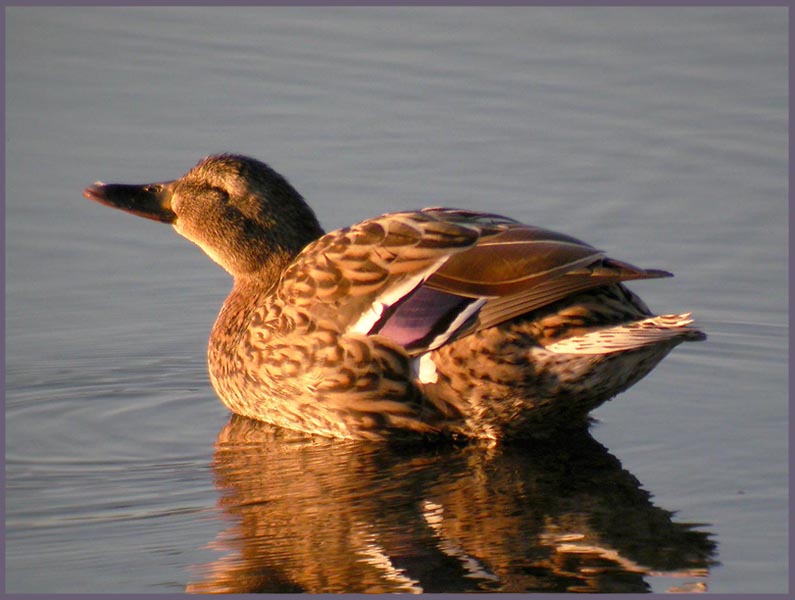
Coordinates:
[317,515]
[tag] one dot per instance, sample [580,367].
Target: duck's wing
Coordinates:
[423,278]
[525,268]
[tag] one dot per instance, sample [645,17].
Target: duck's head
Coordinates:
[242,213]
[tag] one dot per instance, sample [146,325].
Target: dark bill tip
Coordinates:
[151,201]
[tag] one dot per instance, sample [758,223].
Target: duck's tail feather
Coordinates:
[631,336]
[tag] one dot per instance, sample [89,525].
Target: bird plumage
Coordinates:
[415,323]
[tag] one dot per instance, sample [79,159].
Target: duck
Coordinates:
[417,324]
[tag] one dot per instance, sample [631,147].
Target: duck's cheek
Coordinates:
[188,230]
[216,258]
[206,245]
[182,227]
[177,225]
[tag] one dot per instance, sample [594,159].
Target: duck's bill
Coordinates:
[152,201]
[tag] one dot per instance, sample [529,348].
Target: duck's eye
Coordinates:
[221,194]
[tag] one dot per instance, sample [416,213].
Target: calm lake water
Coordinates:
[659,135]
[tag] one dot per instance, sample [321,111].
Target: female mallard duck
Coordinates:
[437,321]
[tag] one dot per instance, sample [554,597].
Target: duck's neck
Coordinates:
[256,276]
[233,320]
[231,325]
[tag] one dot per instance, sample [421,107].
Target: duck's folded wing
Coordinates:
[526,268]
[511,269]
[507,259]
[424,278]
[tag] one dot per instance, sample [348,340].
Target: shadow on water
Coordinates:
[309,515]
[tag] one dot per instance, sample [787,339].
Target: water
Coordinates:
[657,134]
